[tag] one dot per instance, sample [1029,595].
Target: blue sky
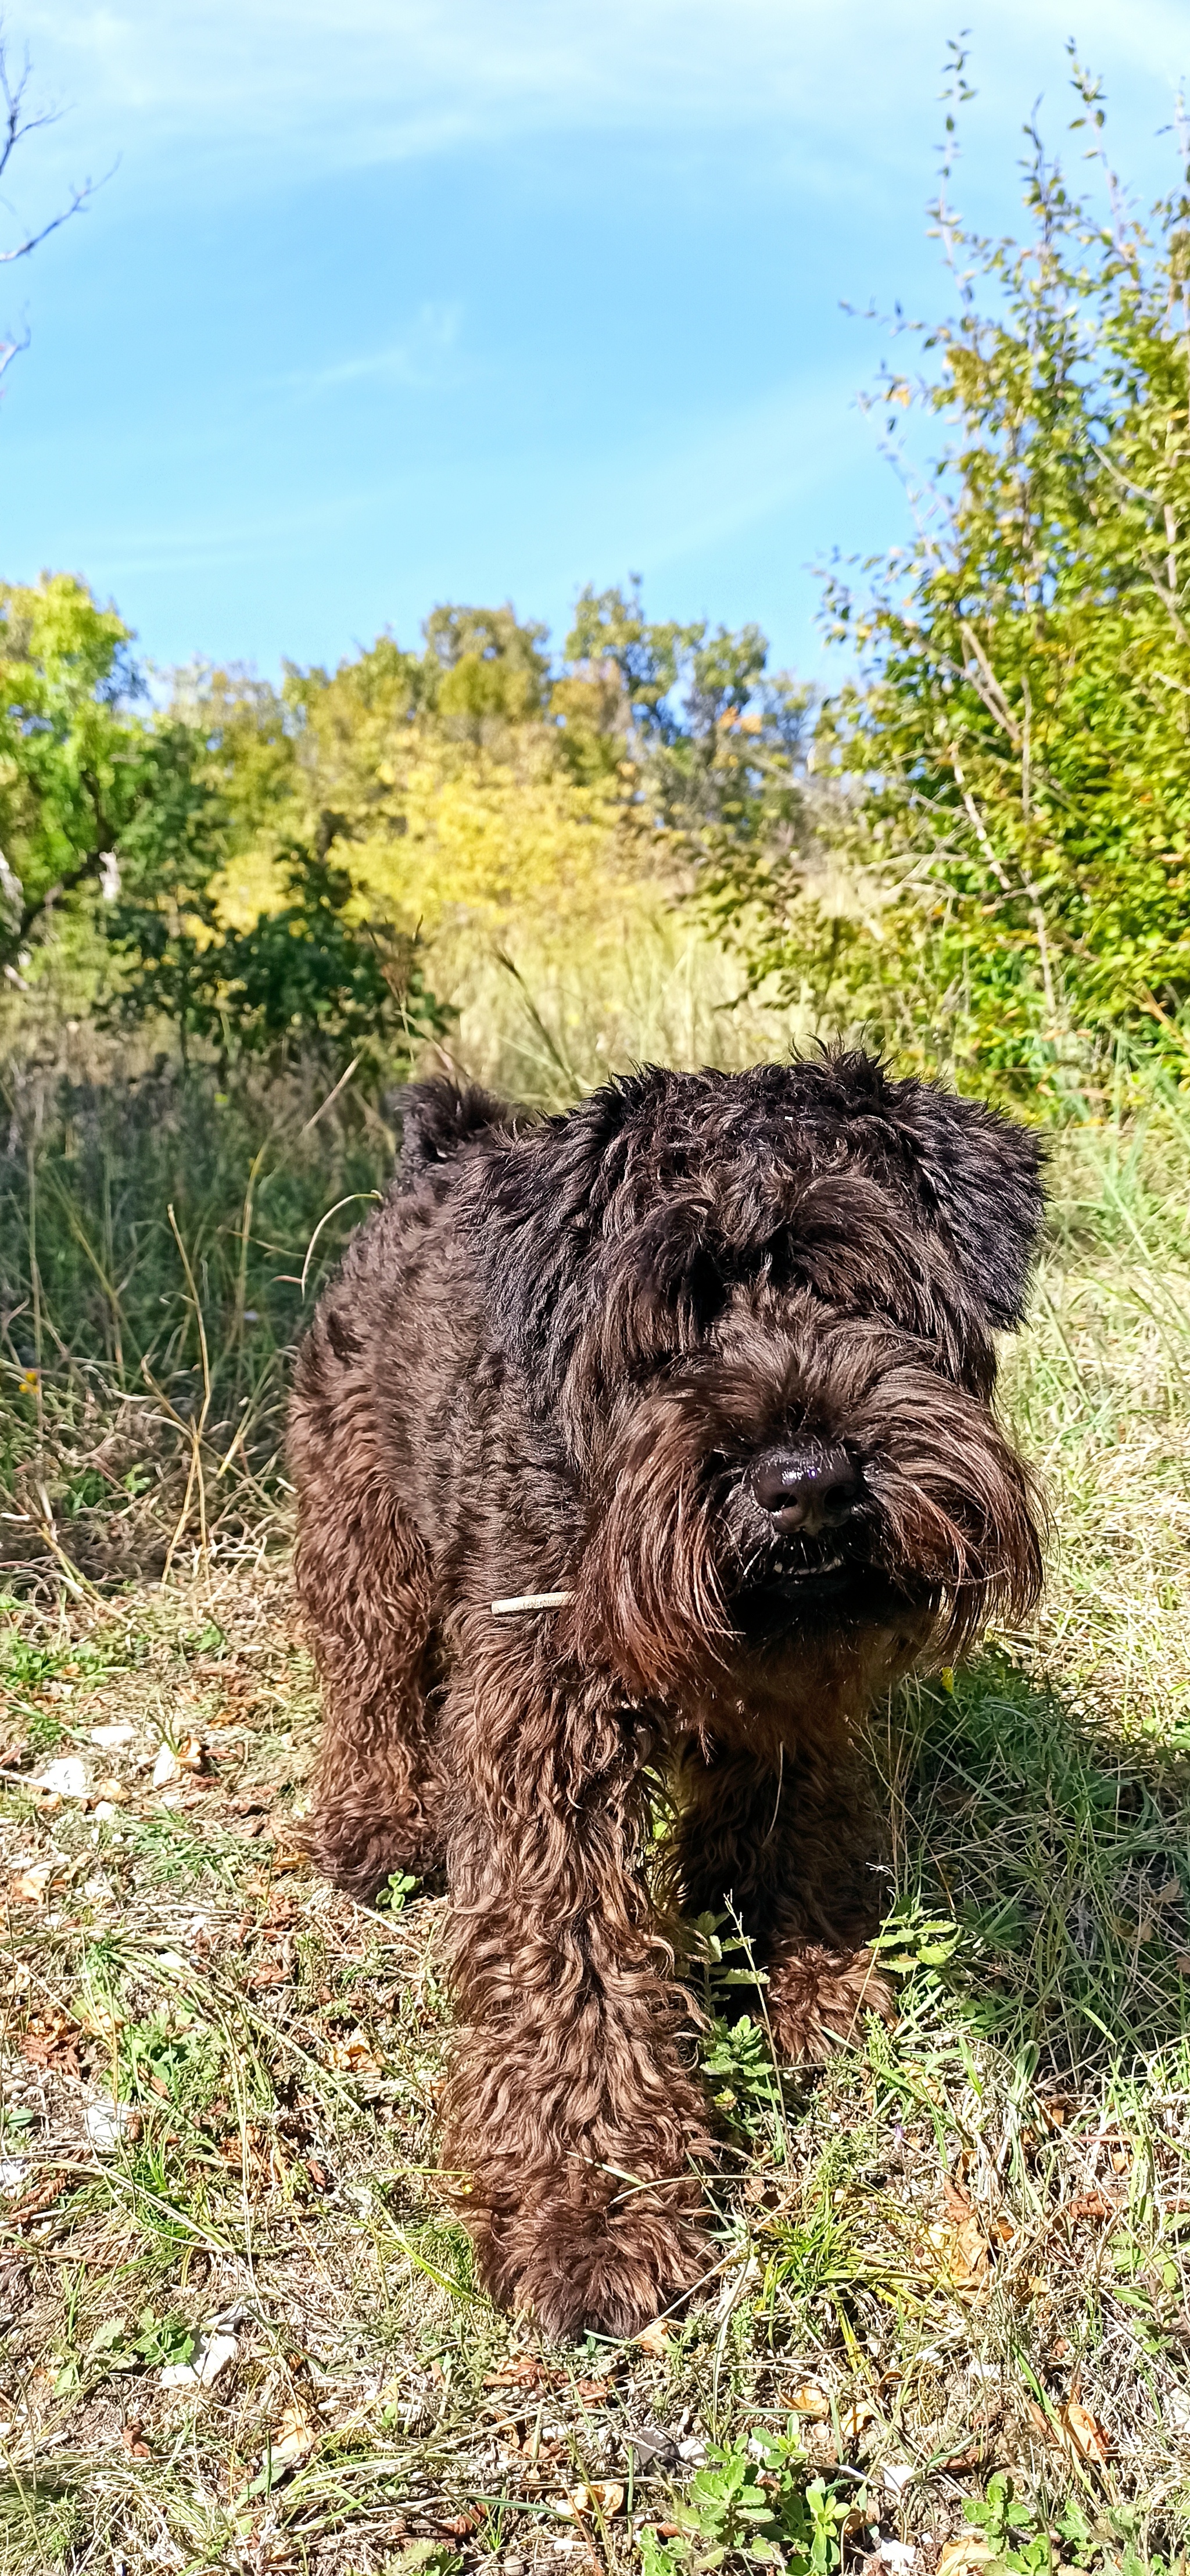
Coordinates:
[395,301]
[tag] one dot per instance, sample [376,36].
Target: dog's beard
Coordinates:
[683,1575]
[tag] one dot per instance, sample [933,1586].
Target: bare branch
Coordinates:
[15,125]
[17,121]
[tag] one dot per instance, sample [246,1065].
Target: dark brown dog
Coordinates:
[711,1359]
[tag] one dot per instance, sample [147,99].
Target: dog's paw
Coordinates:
[817,1998]
[576,2271]
[362,1852]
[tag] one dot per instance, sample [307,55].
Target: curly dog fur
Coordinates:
[712,1356]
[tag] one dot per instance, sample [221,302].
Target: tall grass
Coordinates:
[549,1013]
[161,1242]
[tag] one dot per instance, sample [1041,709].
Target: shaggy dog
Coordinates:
[656,1439]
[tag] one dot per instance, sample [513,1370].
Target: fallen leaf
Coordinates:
[37,2202]
[960,2255]
[852,2423]
[287,1855]
[1071,2429]
[52,2041]
[810,2399]
[599,2495]
[294,2441]
[1090,2204]
[654,2338]
[30,1886]
[515,2374]
[1084,2434]
[967,2551]
[112,1792]
[353,2056]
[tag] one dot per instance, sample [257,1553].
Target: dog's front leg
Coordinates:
[573,2122]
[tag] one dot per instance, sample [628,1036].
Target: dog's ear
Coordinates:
[543,1215]
[980,1176]
[437,1117]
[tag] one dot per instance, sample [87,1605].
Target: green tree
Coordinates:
[68,751]
[1008,778]
[481,664]
[716,741]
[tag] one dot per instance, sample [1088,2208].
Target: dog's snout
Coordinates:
[807,1488]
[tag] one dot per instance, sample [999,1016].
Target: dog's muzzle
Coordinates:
[805,1489]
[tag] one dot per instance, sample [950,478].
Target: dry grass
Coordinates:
[547,1013]
[931,2259]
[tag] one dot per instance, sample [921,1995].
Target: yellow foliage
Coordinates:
[447,833]
[494,840]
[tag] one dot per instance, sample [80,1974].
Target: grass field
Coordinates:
[947,2325]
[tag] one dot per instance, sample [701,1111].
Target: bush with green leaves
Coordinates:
[1005,785]
[316,980]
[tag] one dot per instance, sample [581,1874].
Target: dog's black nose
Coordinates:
[807,1488]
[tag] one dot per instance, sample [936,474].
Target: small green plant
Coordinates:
[173,2057]
[739,2061]
[910,1937]
[754,2501]
[398,1886]
[162,2341]
[1008,2523]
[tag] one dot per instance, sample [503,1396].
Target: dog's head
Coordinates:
[758,1308]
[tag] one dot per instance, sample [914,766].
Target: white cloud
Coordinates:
[314,84]
[425,361]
